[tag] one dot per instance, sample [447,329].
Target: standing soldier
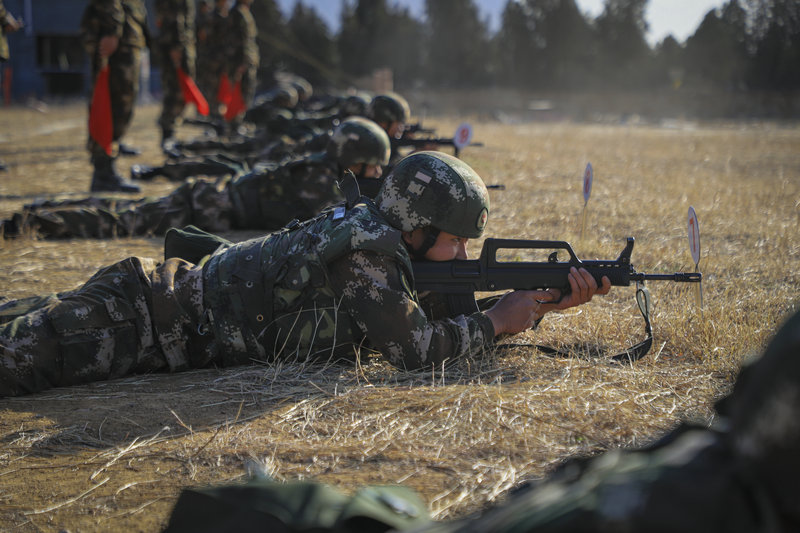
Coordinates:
[243,59]
[211,61]
[114,32]
[8,24]
[175,43]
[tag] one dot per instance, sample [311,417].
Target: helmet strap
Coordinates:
[431,234]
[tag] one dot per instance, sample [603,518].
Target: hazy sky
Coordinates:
[678,17]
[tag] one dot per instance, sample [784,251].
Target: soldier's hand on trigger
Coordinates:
[517,311]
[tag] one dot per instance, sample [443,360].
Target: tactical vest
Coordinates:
[271,296]
[269,196]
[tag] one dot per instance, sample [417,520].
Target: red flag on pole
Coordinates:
[224,90]
[101,126]
[191,94]
[236,104]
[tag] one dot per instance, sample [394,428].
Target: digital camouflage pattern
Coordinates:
[358,140]
[211,54]
[131,317]
[127,19]
[4,52]
[175,21]
[266,198]
[242,49]
[388,107]
[328,287]
[435,189]
[325,288]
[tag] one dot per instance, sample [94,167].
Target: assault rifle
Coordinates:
[459,280]
[417,143]
[418,128]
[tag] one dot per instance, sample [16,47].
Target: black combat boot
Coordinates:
[106,179]
[144,172]
[128,150]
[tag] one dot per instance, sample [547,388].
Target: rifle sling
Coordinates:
[634,353]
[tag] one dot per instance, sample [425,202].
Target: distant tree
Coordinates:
[669,63]
[458,44]
[514,46]
[624,52]
[775,33]
[716,54]
[362,41]
[313,51]
[272,36]
[407,52]
[568,46]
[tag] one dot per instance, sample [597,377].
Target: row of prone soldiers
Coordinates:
[289,168]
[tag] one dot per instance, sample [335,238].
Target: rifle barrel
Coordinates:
[688,277]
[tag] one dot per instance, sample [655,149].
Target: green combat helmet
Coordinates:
[358,140]
[437,190]
[389,107]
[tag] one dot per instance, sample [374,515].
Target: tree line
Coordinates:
[541,45]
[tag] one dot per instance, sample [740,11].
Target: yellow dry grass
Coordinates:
[113,456]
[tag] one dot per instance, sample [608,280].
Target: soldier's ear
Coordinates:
[408,237]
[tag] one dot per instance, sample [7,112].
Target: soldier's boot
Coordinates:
[106,179]
[167,136]
[128,150]
[144,172]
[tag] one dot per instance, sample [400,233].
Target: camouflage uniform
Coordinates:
[265,198]
[321,289]
[243,49]
[127,20]
[4,53]
[175,20]
[211,55]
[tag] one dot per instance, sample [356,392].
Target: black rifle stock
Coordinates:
[457,281]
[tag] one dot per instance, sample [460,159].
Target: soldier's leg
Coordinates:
[123,82]
[172,102]
[102,330]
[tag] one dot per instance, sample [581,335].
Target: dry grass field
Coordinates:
[113,456]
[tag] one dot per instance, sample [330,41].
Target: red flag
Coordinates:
[101,126]
[224,90]
[236,105]
[191,94]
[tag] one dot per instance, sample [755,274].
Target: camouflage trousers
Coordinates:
[173,102]
[200,202]
[131,317]
[123,83]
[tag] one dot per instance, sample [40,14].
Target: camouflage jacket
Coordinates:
[269,197]
[127,19]
[241,38]
[324,289]
[4,55]
[175,20]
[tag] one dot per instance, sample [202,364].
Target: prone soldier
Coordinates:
[266,198]
[324,288]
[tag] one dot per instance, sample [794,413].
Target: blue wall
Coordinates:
[55,19]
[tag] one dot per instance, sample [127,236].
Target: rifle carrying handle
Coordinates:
[491,246]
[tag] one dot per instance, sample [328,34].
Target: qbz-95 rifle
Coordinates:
[459,280]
